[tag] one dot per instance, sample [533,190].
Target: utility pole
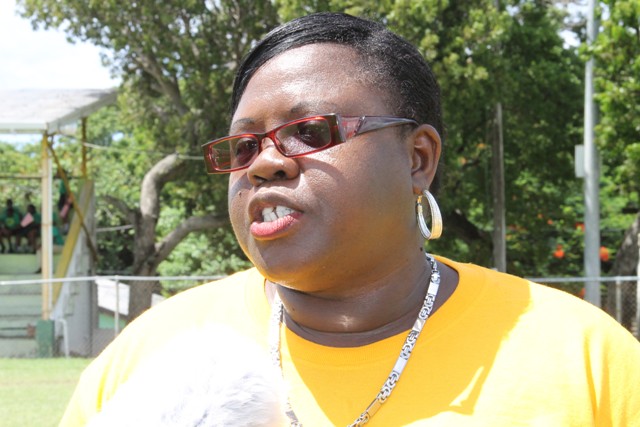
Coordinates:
[499,235]
[638,293]
[591,175]
[497,170]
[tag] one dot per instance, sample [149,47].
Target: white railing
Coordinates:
[117,301]
[80,336]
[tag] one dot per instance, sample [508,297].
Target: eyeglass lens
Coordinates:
[295,138]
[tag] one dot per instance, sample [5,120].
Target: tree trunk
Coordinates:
[140,293]
[147,253]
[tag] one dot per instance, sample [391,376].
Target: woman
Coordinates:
[336,125]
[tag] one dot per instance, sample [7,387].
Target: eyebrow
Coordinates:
[301,109]
[307,108]
[245,121]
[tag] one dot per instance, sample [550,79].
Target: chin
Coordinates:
[289,273]
[279,261]
[206,377]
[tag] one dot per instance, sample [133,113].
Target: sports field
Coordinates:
[34,392]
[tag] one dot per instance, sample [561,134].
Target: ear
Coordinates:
[425,156]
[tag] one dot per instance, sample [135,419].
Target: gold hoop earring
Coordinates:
[436,217]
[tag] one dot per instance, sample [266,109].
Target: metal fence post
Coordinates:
[638,291]
[619,300]
[116,312]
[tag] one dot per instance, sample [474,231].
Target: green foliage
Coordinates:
[212,252]
[177,60]
[16,161]
[482,55]
[514,56]
[200,254]
[616,52]
[617,83]
[119,170]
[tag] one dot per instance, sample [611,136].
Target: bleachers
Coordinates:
[20,305]
[69,323]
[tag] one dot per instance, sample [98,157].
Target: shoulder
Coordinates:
[226,303]
[552,314]
[203,303]
[546,338]
[218,302]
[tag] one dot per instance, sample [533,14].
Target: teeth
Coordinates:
[283,211]
[272,214]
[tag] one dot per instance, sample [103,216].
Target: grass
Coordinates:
[35,392]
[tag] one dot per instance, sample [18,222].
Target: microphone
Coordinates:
[205,377]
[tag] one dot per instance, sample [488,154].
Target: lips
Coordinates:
[272,221]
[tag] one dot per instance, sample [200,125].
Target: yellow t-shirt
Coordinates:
[501,352]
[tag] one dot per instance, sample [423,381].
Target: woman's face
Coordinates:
[331,220]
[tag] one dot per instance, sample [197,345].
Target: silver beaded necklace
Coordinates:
[277,313]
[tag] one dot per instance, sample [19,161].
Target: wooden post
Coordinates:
[46,230]
[84,147]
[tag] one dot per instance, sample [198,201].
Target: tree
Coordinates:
[19,177]
[538,82]
[176,60]
[617,79]
[617,50]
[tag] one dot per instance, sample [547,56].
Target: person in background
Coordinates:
[65,202]
[9,227]
[58,237]
[58,241]
[334,143]
[30,228]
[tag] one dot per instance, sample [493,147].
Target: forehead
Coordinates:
[311,79]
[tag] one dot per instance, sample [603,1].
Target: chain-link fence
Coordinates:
[88,312]
[618,295]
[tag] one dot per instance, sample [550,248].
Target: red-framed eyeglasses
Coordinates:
[293,139]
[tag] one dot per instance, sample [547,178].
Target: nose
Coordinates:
[271,165]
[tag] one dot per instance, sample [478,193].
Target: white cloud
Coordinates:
[42,59]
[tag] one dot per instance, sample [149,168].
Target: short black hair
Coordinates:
[398,66]
[394,64]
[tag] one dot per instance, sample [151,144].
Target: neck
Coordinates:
[383,308]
